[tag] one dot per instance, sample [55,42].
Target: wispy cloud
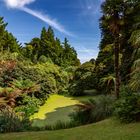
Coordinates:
[21,5]
[85,53]
[90,8]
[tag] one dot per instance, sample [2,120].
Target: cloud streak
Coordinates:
[46,19]
[21,5]
[17,3]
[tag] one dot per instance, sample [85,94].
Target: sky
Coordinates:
[78,20]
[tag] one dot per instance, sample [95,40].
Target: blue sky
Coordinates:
[75,19]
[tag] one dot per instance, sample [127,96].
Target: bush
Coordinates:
[125,90]
[42,59]
[94,110]
[11,122]
[6,72]
[127,109]
[23,84]
[87,81]
[28,105]
[48,76]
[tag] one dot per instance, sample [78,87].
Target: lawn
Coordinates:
[109,129]
[57,107]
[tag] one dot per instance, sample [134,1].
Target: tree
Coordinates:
[2,32]
[69,54]
[43,41]
[10,43]
[37,49]
[51,48]
[113,13]
[7,40]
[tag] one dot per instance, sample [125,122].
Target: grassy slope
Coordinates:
[105,130]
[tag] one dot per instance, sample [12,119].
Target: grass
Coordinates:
[109,129]
[57,107]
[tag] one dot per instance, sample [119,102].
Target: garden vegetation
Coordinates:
[30,73]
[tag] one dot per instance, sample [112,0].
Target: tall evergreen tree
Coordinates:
[2,32]
[7,40]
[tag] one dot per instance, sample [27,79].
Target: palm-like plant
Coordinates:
[109,82]
[112,10]
[115,18]
[135,76]
[135,38]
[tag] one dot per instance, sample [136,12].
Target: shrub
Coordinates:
[87,81]
[94,110]
[28,105]
[47,75]
[125,90]
[127,109]
[11,122]
[6,72]
[42,59]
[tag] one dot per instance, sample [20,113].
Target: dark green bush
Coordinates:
[127,108]
[86,82]
[125,90]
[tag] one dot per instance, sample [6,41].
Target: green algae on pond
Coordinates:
[55,101]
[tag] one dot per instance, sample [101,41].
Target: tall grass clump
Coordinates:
[94,110]
[61,125]
[12,122]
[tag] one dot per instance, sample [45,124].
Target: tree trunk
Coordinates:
[116,67]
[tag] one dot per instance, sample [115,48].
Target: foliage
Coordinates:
[61,125]
[42,59]
[127,27]
[94,110]
[84,79]
[45,78]
[7,40]
[26,85]
[11,122]
[6,72]
[108,81]
[28,105]
[135,38]
[45,65]
[48,48]
[127,109]
[135,77]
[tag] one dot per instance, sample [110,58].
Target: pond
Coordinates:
[57,107]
